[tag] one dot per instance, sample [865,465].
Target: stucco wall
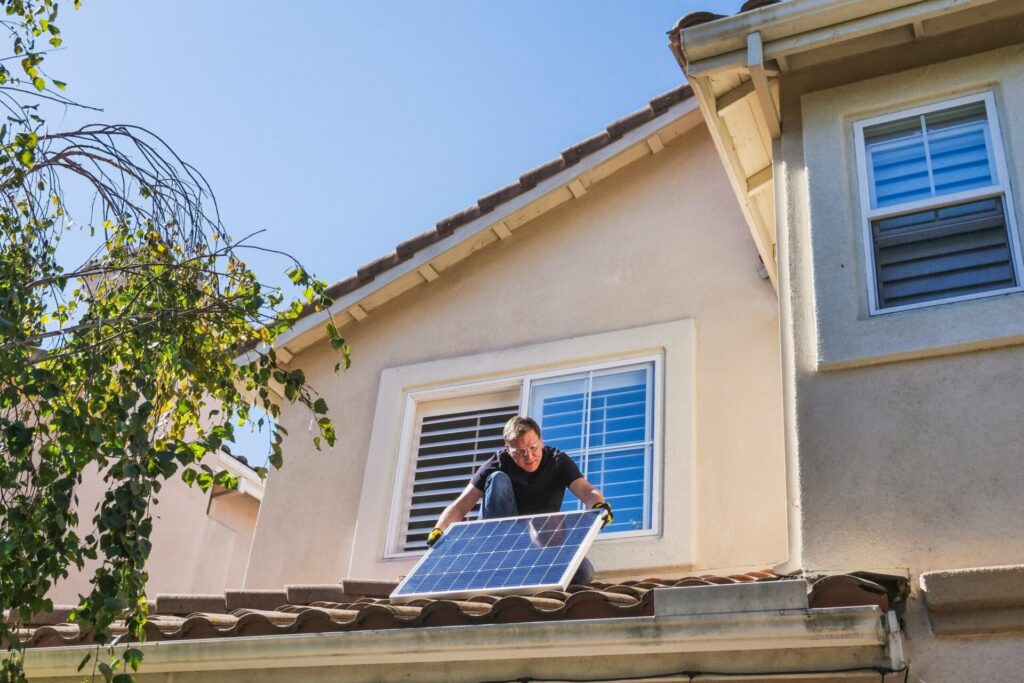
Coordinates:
[660,241]
[906,425]
[194,551]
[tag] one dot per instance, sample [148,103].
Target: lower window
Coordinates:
[601,416]
[604,421]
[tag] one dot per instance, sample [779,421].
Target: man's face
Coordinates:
[526,451]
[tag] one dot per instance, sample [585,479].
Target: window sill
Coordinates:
[943,329]
[976,601]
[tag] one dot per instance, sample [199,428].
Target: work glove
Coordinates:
[433,537]
[608,516]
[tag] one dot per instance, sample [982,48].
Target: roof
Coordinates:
[570,156]
[354,605]
[568,176]
[703,17]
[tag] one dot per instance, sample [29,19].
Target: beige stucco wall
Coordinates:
[907,431]
[194,550]
[659,241]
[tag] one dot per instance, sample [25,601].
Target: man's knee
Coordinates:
[498,481]
[499,498]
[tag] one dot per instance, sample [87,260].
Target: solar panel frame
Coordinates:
[578,554]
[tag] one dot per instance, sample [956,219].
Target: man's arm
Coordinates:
[585,491]
[457,511]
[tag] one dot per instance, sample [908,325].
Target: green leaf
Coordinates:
[320,406]
[133,658]
[39,83]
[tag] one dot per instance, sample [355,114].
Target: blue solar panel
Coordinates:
[502,556]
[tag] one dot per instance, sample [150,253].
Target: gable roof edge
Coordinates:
[427,263]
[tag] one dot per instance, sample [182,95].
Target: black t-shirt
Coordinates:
[536,492]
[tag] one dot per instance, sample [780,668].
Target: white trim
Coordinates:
[676,339]
[413,411]
[1001,188]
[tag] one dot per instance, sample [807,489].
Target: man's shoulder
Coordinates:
[554,452]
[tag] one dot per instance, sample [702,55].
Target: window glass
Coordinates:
[603,420]
[930,155]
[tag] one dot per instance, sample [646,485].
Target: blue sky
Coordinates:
[342,127]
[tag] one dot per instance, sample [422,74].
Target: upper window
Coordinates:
[937,206]
[603,417]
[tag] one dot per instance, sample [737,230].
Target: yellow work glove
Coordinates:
[608,516]
[433,537]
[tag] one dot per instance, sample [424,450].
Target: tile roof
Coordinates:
[695,18]
[363,605]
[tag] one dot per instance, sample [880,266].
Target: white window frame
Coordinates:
[1000,188]
[652,480]
[416,405]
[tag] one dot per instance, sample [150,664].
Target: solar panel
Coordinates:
[503,556]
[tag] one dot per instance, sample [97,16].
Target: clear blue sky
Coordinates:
[343,127]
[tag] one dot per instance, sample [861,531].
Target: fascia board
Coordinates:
[775,21]
[484,223]
[723,141]
[784,630]
[801,25]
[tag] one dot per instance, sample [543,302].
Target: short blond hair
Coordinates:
[519,425]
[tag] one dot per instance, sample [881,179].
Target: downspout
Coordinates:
[759,73]
[787,351]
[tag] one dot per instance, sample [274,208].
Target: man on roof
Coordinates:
[524,478]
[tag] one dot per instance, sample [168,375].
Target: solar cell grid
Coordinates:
[501,556]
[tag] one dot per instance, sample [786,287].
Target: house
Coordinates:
[201,540]
[785,297]
[889,135]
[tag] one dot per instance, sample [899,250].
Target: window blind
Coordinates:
[450,448]
[942,253]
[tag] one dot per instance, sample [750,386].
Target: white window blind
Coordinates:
[449,449]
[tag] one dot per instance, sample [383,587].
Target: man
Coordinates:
[524,478]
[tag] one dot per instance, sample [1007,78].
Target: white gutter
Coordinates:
[802,25]
[249,483]
[645,135]
[832,632]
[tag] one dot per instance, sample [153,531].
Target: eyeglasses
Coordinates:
[523,452]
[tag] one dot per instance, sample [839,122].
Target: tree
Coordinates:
[126,363]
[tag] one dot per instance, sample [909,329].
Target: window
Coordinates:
[938,211]
[604,421]
[453,438]
[602,416]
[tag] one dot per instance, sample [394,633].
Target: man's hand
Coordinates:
[433,537]
[608,516]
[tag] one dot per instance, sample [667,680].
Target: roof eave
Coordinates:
[844,637]
[754,49]
[430,262]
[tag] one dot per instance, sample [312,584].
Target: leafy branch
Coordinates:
[125,364]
